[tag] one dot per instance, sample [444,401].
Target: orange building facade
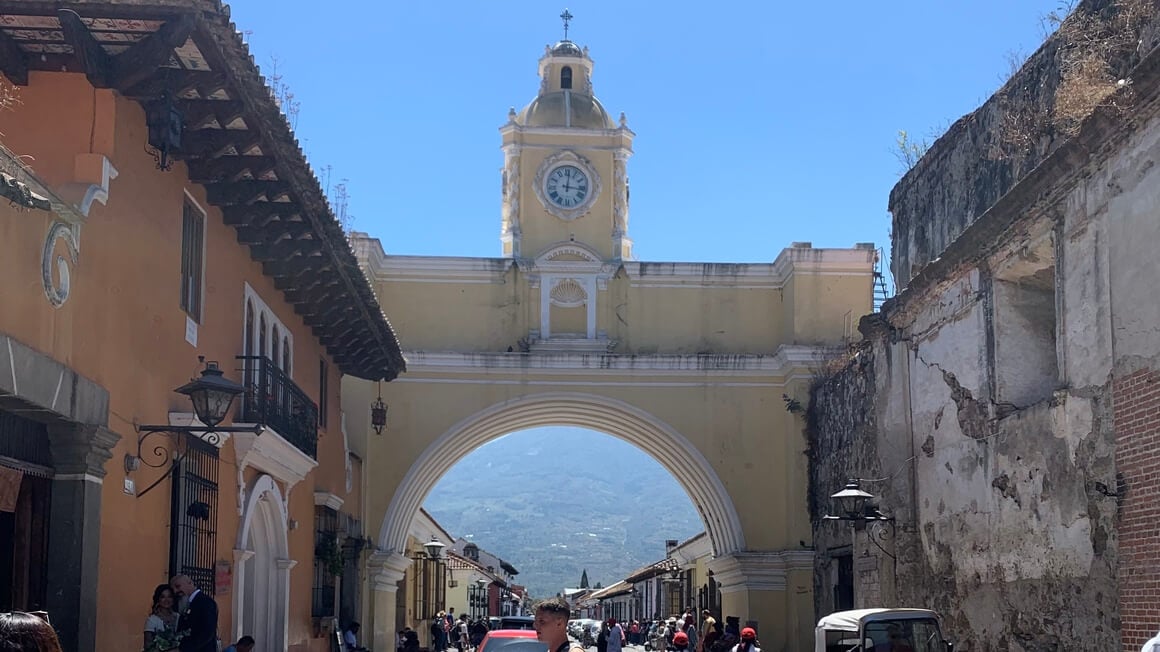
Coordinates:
[118,276]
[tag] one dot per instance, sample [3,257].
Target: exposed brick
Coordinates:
[1136,419]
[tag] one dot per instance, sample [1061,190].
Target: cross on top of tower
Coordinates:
[567,18]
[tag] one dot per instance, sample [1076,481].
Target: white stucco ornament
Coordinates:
[554,185]
[57,290]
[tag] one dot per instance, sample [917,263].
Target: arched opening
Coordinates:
[587,504]
[275,347]
[604,414]
[566,77]
[262,568]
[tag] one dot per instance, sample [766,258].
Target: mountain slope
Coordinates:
[556,501]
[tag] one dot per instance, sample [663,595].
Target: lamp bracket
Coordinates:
[161,457]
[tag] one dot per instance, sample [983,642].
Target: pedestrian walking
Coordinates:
[748,641]
[615,636]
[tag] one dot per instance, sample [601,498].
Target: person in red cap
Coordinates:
[680,642]
[748,641]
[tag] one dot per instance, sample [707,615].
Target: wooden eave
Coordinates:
[237,143]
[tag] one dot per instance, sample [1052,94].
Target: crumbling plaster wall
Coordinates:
[975,162]
[1001,532]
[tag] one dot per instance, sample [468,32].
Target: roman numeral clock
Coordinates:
[567,184]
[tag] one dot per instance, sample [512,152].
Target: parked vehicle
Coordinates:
[517,622]
[880,630]
[511,640]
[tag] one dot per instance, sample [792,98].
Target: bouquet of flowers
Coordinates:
[166,639]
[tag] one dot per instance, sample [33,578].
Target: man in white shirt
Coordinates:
[350,638]
[1153,644]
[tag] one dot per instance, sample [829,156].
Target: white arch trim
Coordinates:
[262,486]
[608,415]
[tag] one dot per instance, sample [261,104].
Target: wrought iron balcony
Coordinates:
[273,399]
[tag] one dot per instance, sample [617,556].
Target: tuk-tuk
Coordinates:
[880,630]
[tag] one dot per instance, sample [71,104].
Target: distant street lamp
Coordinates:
[434,547]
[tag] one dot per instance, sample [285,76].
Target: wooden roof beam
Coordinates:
[286,249]
[199,113]
[212,143]
[178,82]
[261,213]
[13,61]
[299,290]
[150,53]
[92,57]
[272,232]
[227,168]
[229,193]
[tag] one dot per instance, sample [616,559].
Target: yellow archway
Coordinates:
[608,415]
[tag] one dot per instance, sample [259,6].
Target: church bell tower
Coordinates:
[565,177]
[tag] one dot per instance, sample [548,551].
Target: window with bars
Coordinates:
[192,259]
[193,536]
[327,557]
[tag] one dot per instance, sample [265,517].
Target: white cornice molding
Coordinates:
[325,498]
[445,269]
[270,452]
[440,269]
[823,262]
[565,132]
[759,571]
[787,359]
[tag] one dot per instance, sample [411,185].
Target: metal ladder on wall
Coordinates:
[881,291]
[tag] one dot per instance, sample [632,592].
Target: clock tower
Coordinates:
[565,174]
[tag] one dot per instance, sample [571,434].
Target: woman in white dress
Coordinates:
[163,616]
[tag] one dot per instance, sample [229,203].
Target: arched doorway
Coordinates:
[262,569]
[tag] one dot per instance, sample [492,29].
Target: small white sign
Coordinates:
[190,331]
[130,487]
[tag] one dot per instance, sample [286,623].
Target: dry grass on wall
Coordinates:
[1097,50]
[1098,44]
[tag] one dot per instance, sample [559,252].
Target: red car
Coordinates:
[512,640]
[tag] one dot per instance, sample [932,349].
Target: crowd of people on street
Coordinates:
[678,634]
[447,632]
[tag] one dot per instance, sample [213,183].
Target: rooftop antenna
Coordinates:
[566,17]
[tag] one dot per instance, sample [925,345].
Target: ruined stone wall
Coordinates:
[842,445]
[985,153]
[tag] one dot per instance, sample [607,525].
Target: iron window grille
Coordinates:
[194,505]
[326,552]
[273,399]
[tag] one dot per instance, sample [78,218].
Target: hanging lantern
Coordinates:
[379,413]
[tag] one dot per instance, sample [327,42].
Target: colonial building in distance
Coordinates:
[689,361]
[158,213]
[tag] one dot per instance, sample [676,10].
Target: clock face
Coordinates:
[567,186]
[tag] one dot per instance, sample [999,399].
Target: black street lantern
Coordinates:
[166,125]
[379,413]
[211,395]
[852,501]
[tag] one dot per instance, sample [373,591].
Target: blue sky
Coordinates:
[757,123]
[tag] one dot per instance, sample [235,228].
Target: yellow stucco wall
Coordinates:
[568,329]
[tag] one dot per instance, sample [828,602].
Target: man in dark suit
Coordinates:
[200,618]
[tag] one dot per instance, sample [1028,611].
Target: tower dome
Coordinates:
[565,109]
[565,98]
[566,48]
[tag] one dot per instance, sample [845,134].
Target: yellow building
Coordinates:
[689,361]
